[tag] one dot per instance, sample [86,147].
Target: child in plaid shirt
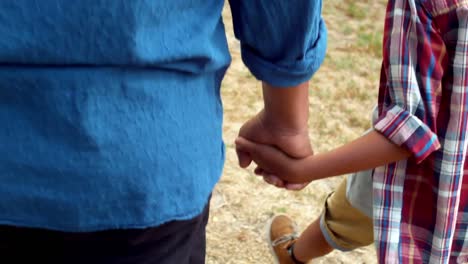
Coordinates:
[418,145]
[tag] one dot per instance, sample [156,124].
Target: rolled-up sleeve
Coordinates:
[283,42]
[406,130]
[415,81]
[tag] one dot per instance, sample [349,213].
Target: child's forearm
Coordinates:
[369,151]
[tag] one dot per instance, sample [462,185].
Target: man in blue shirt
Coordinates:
[110,112]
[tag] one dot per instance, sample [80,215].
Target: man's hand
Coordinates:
[294,142]
[282,124]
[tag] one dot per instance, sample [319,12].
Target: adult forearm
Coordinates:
[287,108]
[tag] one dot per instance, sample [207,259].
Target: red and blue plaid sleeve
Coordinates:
[405,129]
[409,98]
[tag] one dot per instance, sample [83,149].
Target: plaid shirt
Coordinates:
[421,204]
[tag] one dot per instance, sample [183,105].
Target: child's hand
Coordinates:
[273,163]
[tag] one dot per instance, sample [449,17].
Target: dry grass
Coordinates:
[342,95]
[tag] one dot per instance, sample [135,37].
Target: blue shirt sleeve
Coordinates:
[283,42]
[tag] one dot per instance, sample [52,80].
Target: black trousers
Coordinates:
[171,243]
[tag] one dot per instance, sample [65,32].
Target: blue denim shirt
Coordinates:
[110,110]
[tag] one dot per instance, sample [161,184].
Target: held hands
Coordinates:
[272,162]
[276,150]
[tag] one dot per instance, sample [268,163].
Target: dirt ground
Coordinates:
[342,95]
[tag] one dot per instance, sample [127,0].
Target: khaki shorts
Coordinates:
[343,226]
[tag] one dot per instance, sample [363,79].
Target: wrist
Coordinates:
[286,108]
[280,126]
[314,167]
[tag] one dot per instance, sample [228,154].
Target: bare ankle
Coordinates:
[293,255]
